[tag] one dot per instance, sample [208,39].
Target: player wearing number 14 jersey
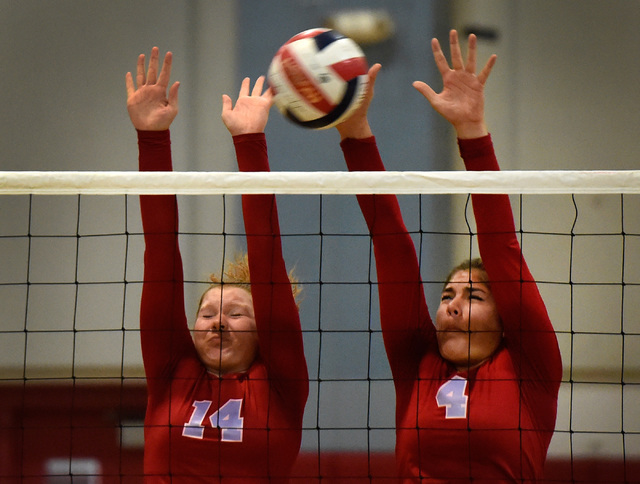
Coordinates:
[226,405]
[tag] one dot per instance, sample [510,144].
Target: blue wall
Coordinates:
[336,266]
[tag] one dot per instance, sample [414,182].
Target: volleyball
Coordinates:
[319,78]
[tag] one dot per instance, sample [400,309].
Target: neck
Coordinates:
[463,368]
[220,373]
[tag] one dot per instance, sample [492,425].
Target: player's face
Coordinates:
[225,331]
[467,322]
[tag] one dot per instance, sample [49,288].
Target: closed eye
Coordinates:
[207,313]
[447,294]
[469,292]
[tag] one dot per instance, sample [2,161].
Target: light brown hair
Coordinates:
[236,273]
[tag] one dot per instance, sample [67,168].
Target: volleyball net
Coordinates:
[73,387]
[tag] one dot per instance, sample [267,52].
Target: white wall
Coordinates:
[564,96]
[64,108]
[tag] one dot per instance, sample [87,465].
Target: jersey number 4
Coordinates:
[227,418]
[451,396]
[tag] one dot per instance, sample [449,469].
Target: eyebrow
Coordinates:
[236,305]
[474,287]
[208,306]
[228,305]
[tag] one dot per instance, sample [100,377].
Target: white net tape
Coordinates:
[335,183]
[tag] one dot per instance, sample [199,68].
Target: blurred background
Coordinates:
[563,96]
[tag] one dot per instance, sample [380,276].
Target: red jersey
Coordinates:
[199,427]
[491,424]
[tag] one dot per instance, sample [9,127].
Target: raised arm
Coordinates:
[277,317]
[528,331]
[163,324]
[403,311]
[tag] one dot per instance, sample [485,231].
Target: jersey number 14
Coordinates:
[227,418]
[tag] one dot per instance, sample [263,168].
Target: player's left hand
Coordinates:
[461,101]
[357,124]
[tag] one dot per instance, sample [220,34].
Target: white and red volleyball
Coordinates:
[319,78]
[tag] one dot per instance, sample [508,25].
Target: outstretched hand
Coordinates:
[149,106]
[357,124]
[461,101]
[251,111]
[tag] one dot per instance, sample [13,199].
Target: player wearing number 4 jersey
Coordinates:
[476,394]
[225,405]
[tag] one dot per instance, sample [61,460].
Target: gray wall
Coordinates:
[563,96]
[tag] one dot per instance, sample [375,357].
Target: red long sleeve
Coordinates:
[528,330]
[406,325]
[277,316]
[163,324]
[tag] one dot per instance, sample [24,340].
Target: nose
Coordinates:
[453,308]
[218,324]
